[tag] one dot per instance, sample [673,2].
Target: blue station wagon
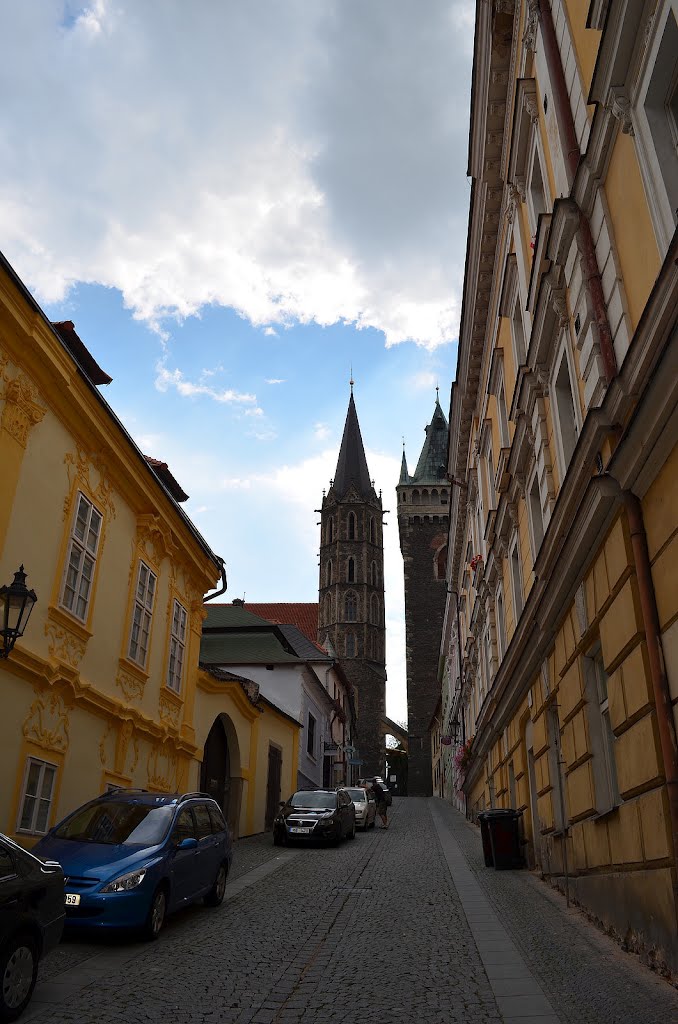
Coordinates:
[130,858]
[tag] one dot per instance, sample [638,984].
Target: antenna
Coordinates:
[351,382]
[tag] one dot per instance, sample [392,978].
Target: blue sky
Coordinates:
[234,210]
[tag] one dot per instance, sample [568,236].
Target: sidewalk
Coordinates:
[551,952]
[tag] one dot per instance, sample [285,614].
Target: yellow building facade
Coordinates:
[561,638]
[102,690]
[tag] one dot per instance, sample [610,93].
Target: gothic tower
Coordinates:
[351,594]
[423,523]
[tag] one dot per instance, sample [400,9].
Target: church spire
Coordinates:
[404,474]
[433,458]
[352,464]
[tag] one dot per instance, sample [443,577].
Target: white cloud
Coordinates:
[236,484]
[310,165]
[321,431]
[271,332]
[423,381]
[166,379]
[275,380]
[257,411]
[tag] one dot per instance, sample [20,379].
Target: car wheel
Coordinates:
[351,834]
[215,897]
[156,914]
[18,974]
[278,839]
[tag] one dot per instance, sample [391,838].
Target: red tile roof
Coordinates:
[66,331]
[162,471]
[302,615]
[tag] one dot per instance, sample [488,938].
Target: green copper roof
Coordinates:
[223,616]
[243,648]
[433,459]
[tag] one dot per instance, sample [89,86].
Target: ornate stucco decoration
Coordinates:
[47,721]
[126,748]
[22,410]
[163,767]
[531,23]
[67,639]
[131,682]
[88,471]
[170,709]
[155,537]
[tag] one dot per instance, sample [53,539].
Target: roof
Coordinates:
[161,470]
[230,616]
[245,647]
[303,615]
[432,464]
[352,464]
[305,648]
[66,331]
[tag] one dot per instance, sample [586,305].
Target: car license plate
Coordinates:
[72,899]
[300,829]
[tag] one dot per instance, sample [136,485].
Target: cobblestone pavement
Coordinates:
[371,931]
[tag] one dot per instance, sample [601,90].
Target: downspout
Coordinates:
[455,593]
[660,684]
[592,278]
[218,593]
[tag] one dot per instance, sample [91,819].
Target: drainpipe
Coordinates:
[592,278]
[660,683]
[218,593]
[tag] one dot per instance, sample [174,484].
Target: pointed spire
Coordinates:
[352,464]
[404,474]
[433,458]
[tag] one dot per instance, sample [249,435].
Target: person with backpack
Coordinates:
[381,796]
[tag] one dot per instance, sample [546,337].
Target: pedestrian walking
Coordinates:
[379,791]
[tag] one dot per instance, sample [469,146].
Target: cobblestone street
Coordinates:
[399,925]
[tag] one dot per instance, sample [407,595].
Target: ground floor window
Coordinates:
[36,796]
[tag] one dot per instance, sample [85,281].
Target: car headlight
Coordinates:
[126,882]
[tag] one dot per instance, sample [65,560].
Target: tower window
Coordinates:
[328,578]
[374,610]
[350,572]
[351,608]
[372,531]
[328,608]
[330,531]
[351,526]
[441,563]
[374,575]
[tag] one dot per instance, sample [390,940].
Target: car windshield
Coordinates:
[325,800]
[117,822]
[357,795]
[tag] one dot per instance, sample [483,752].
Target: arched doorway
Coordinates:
[215,771]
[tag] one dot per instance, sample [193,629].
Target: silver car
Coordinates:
[365,807]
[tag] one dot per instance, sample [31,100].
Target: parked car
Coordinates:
[31,922]
[365,806]
[315,814]
[132,857]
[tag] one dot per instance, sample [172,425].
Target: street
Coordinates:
[399,925]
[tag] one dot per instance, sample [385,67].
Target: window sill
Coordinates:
[604,815]
[172,695]
[134,668]
[67,620]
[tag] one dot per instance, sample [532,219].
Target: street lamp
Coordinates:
[16,605]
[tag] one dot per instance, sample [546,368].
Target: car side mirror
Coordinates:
[189,843]
[282,803]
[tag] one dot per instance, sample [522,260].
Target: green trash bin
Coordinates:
[500,834]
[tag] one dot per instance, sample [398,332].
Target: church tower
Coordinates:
[351,593]
[423,524]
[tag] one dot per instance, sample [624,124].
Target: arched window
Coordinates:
[350,645]
[350,571]
[351,526]
[374,575]
[328,608]
[351,608]
[372,532]
[330,530]
[416,498]
[434,496]
[374,610]
[328,575]
[441,563]
[424,497]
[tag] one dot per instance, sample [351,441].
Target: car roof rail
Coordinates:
[189,796]
[123,789]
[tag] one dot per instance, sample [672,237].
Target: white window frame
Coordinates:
[81,558]
[605,780]
[659,202]
[537,526]
[37,797]
[535,153]
[564,353]
[175,664]
[142,615]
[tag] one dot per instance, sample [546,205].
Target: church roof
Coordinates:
[352,464]
[433,459]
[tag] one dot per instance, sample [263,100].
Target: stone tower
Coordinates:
[351,593]
[423,523]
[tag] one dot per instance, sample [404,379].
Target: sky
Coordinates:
[238,205]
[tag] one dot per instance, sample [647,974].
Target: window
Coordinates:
[142,615]
[501,624]
[536,517]
[36,798]
[310,735]
[374,575]
[351,608]
[441,563]
[177,646]
[374,610]
[657,122]
[81,559]
[372,530]
[536,189]
[518,333]
[184,827]
[602,737]
[330,530]
[516,583]
[351,526]
[504,435]
[328,608]
[350,645]
[555,768]
[565,418]
[350,571]
[328,574]
[202,821]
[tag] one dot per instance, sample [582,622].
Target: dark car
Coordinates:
[315,814]
[132,857]
[31,922]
